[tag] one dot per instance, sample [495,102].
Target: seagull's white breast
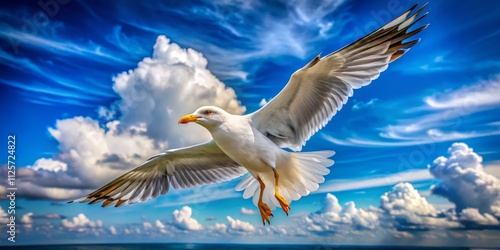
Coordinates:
[246,145]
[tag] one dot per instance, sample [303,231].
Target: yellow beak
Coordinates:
[188,118]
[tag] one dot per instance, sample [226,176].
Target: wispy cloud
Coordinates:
[336,185]
[361,105]
[90,51]
[52,95]
[293,29]
[58,71]
[128,44]
[470,98]
[454,114]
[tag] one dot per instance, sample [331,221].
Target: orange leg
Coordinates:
[284,205]
[264,209]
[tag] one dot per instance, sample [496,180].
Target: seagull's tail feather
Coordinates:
[299,175]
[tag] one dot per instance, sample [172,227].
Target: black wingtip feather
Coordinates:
[412,8]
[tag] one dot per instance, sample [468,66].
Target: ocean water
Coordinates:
[211,246]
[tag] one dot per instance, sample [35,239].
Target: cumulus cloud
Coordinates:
[409,210]
[49,165]
[473,216]
[84,153]
[161,227]
[112,230]
[91,147]
[239,227]
[247,211]
[4,217]
[80,223]
[147,226]
[182,219]
[401,210]
[475,194]
[181,222]
[27,218]
[171,83]
[333,218]
[220,227]
[404,198]
[464,182]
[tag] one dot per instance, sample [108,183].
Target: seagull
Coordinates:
[255,143]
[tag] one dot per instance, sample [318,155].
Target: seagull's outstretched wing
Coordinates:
[317,91]
[180,168]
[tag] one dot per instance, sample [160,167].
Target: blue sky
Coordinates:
[91,89]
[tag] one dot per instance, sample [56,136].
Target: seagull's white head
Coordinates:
[207,116]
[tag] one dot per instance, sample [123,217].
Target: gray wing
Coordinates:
[316,92]
[180,168]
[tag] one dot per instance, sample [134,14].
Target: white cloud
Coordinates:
[402,211]
[159,224]
[410,210]
[361,105]
[181,222]
[403,199]
[247,211]
[492,168]
[113,230]
[27,218]
[262,102]
[4,217]
[27,221]
[49,165]
[90,148]
[467,99]
[270,36]
[220,227]
[81,223]
[449,116]
[147,226]
[171,83]
[464,182]
[332,217]
[396,136]
[472,215]
[336,185]
[239,227]
[475,194]
[86,149]
[89,51]
[182,219]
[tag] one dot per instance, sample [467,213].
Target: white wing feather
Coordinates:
[180,168]
[316,92]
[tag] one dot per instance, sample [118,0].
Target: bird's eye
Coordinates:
[207,112]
